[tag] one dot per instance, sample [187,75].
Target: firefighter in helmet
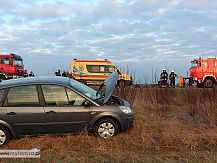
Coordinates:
[64,74]
[31,74]
[164,77]
[172,77]
[25,74]
[58,73]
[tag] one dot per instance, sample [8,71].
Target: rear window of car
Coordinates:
[22,96]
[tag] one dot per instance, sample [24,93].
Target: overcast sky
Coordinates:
[145,35]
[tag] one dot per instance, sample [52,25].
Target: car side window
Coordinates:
[96,68]
[93,68]
[22,96]
[74,98]
[55,95]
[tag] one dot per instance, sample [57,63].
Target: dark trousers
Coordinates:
[164,82]
[172,82]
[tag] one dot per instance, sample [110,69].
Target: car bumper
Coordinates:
[128,122]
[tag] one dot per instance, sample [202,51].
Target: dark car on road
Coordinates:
[58,105]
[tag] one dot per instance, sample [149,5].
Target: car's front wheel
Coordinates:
[4,136]
[106,128]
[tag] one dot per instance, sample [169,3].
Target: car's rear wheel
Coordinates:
[106,128]
[122,83]
[4,136]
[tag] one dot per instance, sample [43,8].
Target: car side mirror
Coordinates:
[87,103]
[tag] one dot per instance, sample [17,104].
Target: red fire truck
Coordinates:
[204,72]
[11,66]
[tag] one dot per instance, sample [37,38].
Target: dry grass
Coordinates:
[171,125]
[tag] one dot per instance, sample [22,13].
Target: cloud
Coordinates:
[198,4]
[5,4]
[44,11]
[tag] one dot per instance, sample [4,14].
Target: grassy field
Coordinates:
[171,125]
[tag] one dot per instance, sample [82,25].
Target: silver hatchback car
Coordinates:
[58,105]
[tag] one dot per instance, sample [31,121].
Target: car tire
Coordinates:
[122,83]
[5,136]
[106,128]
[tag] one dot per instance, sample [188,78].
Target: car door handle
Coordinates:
[51,112]
[11,113]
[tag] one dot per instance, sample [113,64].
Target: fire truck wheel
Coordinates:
[208,83]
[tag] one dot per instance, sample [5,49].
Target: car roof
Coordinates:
[35,80]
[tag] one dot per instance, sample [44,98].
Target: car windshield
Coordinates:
[18,62]
[89,92]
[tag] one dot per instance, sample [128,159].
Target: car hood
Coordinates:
[110,83]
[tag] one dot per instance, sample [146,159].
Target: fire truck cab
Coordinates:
[11,66]
[204,72]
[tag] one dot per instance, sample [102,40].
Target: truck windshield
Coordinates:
[89,92]
[194,64]
[18,62]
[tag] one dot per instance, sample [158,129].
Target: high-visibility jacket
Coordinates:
[181,82]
